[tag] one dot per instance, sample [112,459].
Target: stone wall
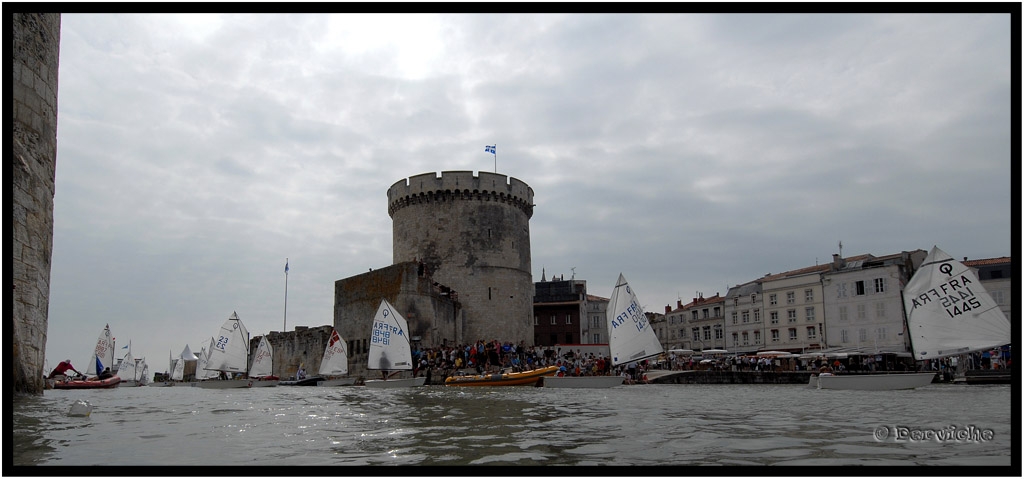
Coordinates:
[35,51]
[434,317]
[303,346]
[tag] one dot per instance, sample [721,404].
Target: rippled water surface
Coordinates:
[646,425]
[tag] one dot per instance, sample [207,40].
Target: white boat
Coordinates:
[947,312]
[103,354]
[262,369]
[390,349]
[334,363]
[630,338]
[178,370]
[143,373]
[229,355]
[128,371]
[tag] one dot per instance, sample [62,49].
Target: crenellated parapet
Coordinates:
[460,186]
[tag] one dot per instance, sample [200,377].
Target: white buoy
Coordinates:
[80,408]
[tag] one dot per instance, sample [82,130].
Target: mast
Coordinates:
[285,296]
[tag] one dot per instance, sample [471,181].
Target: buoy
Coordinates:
[80,408]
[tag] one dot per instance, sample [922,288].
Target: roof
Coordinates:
[988,261]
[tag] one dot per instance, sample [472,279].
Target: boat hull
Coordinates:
[336,382]
[301,382]
[875,382]
[396,383]
[111,382]
[588,382]
[525,378]
[223,383]
[264,383]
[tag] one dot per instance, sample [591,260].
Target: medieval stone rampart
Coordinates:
[36,48]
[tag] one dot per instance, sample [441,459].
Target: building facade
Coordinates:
[794,310]
[703,323]
[559,312]
[996,275]
[864,306]
[744,328]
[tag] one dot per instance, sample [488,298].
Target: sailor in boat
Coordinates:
[62,369]
[106,374]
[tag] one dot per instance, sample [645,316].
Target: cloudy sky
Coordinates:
[690,152]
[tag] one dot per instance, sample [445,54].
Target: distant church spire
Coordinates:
[543,278]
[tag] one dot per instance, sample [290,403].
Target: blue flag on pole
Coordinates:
[491,149]
[286,266]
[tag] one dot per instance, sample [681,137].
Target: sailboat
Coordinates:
[103,355]
[143,373]
[102,358]
[630,338]
[178,370]
[262,370]
[128,371]
[334,363]
[390,349]
[947,312]
[229,355]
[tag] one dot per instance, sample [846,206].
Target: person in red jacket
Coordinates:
[63,368]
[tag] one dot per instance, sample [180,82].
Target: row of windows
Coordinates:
[881,333]
[554,319]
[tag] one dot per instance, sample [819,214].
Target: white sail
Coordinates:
[630,335]
[127,370]
[203,372]
[390,349]
[104,351]
[263,360]
[230,351]
[178,369]
[143,372]
[949,312]
[335,361]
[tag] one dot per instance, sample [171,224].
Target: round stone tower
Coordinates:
[36,50]
[473,235]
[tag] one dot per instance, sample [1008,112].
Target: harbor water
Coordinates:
[635,425]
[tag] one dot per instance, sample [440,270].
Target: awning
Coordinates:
[681,351]
[772,354]
[714,351]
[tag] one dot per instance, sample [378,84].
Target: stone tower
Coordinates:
[34,71]
[473,234]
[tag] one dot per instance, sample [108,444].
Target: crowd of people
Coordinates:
[486,357]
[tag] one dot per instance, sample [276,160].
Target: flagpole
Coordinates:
[495,157]
[285,296]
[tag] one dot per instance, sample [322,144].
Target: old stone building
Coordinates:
[429,308]
[36,47]
[472,233]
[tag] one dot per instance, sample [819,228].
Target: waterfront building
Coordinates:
[703,324]
[996,275]
[559,312]
[864,306]
[595,331]
[744,328]
[794,310]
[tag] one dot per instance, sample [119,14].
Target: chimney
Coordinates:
[837,262]
[668,309]
[679,303]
